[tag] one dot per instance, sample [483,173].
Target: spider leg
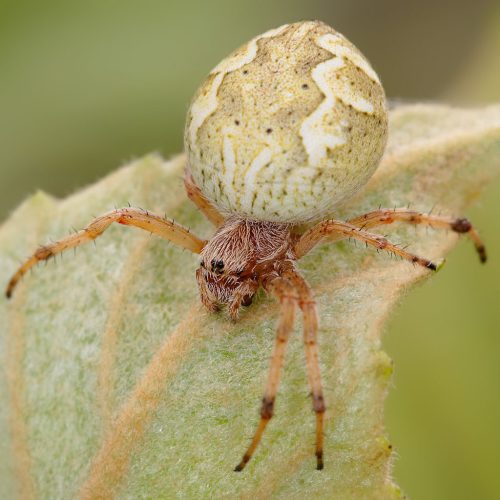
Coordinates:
[242,297]
[286,294]
[308,307]
[197,197]
[155,224]
[390,215]
[339,230]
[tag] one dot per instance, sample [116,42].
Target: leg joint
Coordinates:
[382,243]
[288,297]
[307,302]
[44,253]
[461,226]
[319,403]
[267,408]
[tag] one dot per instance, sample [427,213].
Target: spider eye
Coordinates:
[217,266]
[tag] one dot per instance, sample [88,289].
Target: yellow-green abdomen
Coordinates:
[287,126]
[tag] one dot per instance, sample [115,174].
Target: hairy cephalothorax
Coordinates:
[238,258]
[280,133]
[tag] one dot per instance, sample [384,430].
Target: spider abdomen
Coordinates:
[287,126]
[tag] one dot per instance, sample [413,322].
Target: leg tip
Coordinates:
[436,266]
[242,464]
[319,461]
[482,254]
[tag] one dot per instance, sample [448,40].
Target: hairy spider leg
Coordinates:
[136,217]
[328,228]
[285,292]
[388,216]
[308,307]
[197,197]
[384,216]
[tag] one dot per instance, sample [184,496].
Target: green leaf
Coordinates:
[117,382]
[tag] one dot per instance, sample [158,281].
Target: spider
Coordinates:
[283,130]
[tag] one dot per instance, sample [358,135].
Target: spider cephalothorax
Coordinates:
[241,254]
[280,132]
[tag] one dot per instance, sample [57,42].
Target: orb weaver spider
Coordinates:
[265,156]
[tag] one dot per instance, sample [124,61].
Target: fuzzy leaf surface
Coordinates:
[115,381]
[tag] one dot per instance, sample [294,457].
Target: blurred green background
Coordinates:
[86,86]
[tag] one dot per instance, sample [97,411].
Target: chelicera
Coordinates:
[260,188]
